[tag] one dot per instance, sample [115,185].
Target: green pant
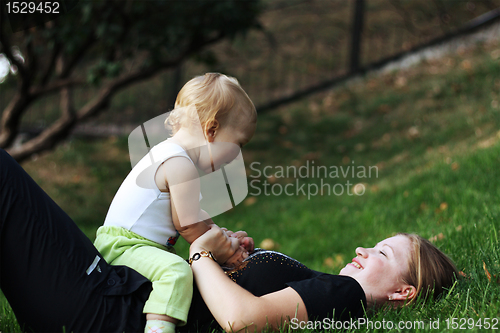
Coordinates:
[171,275]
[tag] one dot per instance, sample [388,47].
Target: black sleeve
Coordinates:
[331,296]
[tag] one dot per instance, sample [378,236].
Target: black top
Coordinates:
[324,295]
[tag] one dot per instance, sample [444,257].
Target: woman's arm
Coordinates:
[233,307]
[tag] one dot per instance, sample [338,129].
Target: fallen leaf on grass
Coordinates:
[439,236]
[359,147]
[271,179]
[267,244]
[466,64]
[488,275]
[359,189]
[338,261]
[413,132]
[329,262]
[401,82]
[250,201]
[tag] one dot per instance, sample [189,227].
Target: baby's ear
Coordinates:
[211,128]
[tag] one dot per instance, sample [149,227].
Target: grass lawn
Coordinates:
[430,137]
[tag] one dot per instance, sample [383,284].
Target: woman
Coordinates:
[278,288]
[53,277]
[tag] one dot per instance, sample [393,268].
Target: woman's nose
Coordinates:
[361,251]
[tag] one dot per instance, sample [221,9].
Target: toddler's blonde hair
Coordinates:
[209,97]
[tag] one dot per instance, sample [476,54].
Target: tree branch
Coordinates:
[11,118]
[92,107]
[55,86]
[60,129]
[46,140]
[68,120]
[11,115]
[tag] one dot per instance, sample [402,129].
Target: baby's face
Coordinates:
[225,146]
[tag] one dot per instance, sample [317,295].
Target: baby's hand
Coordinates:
[245,241]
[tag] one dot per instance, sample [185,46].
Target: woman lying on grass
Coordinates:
[271,287]
[54,278]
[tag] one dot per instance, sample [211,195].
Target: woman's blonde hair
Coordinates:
[212,96]
[430,271]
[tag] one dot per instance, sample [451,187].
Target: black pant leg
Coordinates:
[44,266]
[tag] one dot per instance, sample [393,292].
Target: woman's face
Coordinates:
[379,270]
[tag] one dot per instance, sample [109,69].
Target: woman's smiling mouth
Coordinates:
[356,264]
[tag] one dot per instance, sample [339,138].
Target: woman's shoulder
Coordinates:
[331,296]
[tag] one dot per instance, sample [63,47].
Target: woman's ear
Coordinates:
[406,293]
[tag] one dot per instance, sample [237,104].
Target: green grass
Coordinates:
[431,131]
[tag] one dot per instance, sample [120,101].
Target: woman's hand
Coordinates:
[237,258]
[216,241]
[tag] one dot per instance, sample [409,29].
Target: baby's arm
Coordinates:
[182,180]
[188,218]
[192,231]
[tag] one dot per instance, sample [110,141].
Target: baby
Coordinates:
[212,119]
